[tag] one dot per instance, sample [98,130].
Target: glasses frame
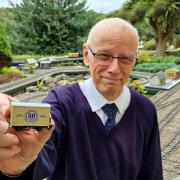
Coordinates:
[126,59]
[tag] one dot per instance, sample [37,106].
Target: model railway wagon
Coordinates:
[30,116]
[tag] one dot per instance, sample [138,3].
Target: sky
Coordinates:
[102,6]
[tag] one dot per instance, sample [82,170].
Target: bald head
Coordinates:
[107,28]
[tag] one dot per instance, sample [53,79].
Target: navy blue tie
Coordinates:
[110,110]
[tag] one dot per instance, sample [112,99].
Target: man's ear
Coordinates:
[85,54]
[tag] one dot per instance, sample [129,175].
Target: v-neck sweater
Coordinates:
[81,149]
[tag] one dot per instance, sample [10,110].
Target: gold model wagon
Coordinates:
[30,115]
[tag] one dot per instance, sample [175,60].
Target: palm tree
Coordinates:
[163,16]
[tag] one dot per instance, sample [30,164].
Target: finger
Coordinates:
[12,99]
[6,99]
[4,110]
[45,134]
[5,104]
[7,140]
[9,152]
[3,127]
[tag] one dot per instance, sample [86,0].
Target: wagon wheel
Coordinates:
[39,128]
[18,128]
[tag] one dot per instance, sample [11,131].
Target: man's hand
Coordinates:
[18,149]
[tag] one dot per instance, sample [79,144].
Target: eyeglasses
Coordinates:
[106,59]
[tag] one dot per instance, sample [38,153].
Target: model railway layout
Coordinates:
[168,109]
[14,88]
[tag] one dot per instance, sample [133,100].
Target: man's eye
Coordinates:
[103,56]
[126,60]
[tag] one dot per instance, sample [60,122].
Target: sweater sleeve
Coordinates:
[47,158]
[151,167]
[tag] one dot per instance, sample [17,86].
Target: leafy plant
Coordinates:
[148,57]
[150,45]
[4,42]
[136,85]
[40,84]
[154,67]
[163,16]
[144,56]
[50,27]
[7,70]
[10,74]
[5,48]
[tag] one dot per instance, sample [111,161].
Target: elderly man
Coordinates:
[103,130]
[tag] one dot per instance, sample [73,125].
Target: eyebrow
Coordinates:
[104,51]
[120,55]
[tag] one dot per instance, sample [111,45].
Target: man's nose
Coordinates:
[114,65]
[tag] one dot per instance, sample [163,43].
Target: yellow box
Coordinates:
[30,115]
[73,55]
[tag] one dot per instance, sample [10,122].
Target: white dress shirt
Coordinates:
[97,101]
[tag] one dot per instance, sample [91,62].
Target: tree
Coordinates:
[163,19]
[5,49]
[50,26]
[162,15]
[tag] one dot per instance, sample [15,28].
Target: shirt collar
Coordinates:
[96,100]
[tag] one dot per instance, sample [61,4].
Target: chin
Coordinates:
[114,87]
[111,90]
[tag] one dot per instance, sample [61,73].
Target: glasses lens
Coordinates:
[126,60]
[102,59]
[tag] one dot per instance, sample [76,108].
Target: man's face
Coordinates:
[110,79]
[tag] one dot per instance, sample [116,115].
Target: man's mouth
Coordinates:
[111,80]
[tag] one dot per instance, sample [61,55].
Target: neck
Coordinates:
[111,96]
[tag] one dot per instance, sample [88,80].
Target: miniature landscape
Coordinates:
[41,50]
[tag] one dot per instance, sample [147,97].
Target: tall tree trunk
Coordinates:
[161,44]
[161,37]
[177,43]
[161,40]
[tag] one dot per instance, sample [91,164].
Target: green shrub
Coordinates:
[143,56]
[154,67]
[150,45]
[5,48]
[10,74]
[166,59]
[16,71]
[136,85]
[4,42]
[146,57]
[177,61]
[26,56]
